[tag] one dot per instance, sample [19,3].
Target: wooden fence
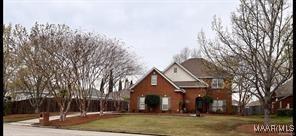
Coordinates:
[50,105]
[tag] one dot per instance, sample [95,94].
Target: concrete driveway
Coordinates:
[21,130]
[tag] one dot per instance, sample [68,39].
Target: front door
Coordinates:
[199,104]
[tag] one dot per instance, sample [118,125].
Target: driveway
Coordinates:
[21,130]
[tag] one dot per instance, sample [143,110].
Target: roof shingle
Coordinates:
[286,89]
[202,68]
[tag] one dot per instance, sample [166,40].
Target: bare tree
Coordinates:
[57,65]
[86,54]
[261,36]
[183,55]
[65,63]
[186,53]
[101,95]
[13,37]
[31,80]
[242,87]
[121,64]
[195,53]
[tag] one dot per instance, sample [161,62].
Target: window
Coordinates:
[288,106]
[217,83]
[142,103]
[175,70]
[154,80]
[165,103]
[218,105]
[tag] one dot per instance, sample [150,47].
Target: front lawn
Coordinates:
[176,125]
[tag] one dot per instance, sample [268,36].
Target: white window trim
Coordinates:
[175,70]
[162,105]
[217,106]
[142,104]
[215,83]
[288,106]
[152,80]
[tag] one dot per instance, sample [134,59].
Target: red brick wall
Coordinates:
[162,88]
[276,105]
[190,96]
[221,94]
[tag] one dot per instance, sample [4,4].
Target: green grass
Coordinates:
[176,125]
[274,119]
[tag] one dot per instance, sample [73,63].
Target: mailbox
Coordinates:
[44,118]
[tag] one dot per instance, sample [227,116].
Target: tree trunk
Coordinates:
[48,104]
[84,113]
[83,110]
[266,113]
[62,114]
[37,109]
[118,106]
[241,110]
[101,107]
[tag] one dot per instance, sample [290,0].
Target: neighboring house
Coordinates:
[122,95]
[254,108]
[23,95]
[283,96]
[184,83]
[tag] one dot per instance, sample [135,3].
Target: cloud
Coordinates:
[154,30]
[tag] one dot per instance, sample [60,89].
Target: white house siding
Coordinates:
[181,75]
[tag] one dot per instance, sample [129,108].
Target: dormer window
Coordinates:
[217,83]
[154,80]
[175,69]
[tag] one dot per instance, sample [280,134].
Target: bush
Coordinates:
[208,99]
[152,101]
[219,111]
[284,112]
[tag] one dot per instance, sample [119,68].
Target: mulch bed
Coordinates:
[80,120]
[249,128]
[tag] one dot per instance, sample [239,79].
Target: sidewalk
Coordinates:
[36,120]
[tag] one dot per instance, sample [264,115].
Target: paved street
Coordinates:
[21,130]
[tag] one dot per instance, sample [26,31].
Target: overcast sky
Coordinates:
[154,30]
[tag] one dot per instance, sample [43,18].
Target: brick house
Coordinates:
[283,96]
[184,84]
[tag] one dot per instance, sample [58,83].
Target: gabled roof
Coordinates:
[204,84]
[178,89]
[202,68]
[254,103]
[286,89]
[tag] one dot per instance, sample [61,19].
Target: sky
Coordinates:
[153,30]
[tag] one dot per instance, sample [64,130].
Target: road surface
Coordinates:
[22,130]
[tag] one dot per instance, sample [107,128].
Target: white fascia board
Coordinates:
[180,90]
[193,86]
[159,74]
[192,74]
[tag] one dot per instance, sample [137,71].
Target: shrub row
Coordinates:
[284,112]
